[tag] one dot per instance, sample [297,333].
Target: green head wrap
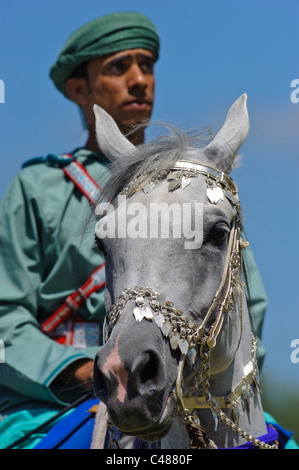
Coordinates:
[105,35]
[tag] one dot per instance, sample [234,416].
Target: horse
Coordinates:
[178,366]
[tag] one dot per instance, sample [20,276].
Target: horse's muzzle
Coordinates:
[131,378]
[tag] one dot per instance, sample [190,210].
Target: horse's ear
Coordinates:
[222,151]
[109,137]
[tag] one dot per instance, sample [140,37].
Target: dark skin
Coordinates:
[123,84]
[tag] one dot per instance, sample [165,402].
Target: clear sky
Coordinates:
[212,51]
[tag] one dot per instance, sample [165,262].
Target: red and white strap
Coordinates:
[90,188]
[95,282]
[82,179]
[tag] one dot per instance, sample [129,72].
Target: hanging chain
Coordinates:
[239,431]
[192,424]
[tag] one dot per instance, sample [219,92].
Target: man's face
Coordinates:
[123,84]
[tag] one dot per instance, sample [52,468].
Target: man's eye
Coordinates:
[117,68]
[147,66]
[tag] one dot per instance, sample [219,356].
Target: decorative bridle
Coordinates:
[190,338]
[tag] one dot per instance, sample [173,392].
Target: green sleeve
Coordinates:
[32,360]
[256,299]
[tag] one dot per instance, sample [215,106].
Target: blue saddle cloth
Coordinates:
[75,431]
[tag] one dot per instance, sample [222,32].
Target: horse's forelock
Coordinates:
[155,156]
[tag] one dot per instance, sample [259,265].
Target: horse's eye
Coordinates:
[218,234]
[99,244]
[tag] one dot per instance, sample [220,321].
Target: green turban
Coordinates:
[105,35]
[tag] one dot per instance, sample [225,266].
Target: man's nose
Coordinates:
[136,78]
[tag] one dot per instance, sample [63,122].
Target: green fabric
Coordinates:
[105,35]
[46,253]
[291,444]
[19,423]
[257,300]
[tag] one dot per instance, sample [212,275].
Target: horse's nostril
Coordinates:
[147,372]
[100,385]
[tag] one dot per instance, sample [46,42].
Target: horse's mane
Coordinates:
[158,155]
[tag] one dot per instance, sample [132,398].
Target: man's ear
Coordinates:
[78,91]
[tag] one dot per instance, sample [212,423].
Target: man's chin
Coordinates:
[127,127]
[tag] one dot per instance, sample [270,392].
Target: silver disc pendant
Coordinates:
[174,184]
[137,311]
[137,314]
[183,345]
[159,319]
[166,327]
[147,313]
[185,182]
[192,355]
[215,194]
[143,312]
[174,341]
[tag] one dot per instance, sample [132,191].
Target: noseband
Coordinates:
[190,338]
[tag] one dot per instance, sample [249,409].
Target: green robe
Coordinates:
[46,252]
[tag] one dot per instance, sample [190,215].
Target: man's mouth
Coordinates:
[138,105]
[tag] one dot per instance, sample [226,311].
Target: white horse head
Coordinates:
[178,331]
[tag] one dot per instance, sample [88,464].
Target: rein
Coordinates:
[193,339]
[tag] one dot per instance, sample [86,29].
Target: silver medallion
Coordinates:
[159,319]
[183,345]
[137,314]
[192,355]
[215,194]
[174,341]
[166,327]
[185,182]
[175,184]
[143,312]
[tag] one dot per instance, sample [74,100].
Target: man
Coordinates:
[43,256]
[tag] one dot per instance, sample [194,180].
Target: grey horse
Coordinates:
[178,367]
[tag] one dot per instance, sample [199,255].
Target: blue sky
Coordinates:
[212,51]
